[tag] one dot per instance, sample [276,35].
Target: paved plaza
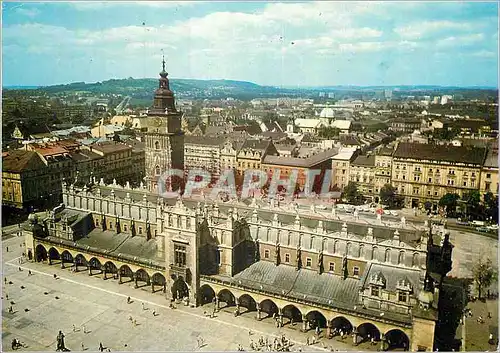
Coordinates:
[468,248]
[44,305]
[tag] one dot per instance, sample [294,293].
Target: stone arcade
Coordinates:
[303,267]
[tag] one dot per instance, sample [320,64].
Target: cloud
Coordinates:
[28,12]
[93,6]
[428,28]
[485,54]
[464,40]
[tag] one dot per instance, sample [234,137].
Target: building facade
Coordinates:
[425,172]
[164,139]
[318,270]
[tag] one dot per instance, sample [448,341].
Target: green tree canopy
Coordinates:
[388,196]
[484,275]
[351,194]
[328,132]
[449,201]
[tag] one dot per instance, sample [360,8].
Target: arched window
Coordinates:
[157,145]
[157,170]
[401,257]
[361,250]
[414,261]
[387,255]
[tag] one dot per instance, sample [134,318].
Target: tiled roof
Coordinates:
[203,140]
[301,162]
[365,161]
[19,160]
[491,159]
[110,147]
[470,155]
[255,144]
[392,275]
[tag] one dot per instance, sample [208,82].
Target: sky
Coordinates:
[293,44]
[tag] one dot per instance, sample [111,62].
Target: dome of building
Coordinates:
[326,113]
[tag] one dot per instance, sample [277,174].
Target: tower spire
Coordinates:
[163,61]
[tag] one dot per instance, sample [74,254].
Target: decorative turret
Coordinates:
[164,102]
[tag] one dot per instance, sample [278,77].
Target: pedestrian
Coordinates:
[29,273]
[83,347]
[7,248]
[128,300]
[143,308]
[74,328]
[307,341]
[101,348]
[6,296]
[154,313]
[317,330]
[10,309]
[135,322]
[84,329]
[5,280]
[20,269]
[489,315]
[55,276]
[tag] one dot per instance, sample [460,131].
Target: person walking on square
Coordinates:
[84,329]
[83,347]
[101,348]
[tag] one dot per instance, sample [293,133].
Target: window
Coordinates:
[375,292]
[157,170]
[287,258]
[404,177]
[487,186]
[124,227]
[180,255]
[140,230]
[403,297]
[355,271]
[110,225]
[308,262]
[266,254]
[430,180]
[97,223]
[331,267]
[157,145]
[488,175]
[465,183]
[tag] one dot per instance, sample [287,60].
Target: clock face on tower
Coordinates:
[158,122]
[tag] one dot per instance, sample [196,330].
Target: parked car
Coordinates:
[483,229]
[394,213]
[321,207]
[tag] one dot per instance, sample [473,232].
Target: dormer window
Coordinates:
[375,291]
[403,296]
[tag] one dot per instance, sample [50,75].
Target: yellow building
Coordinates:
[252,153]
[489,174]
[383,168]
[341,164]
[363,174]
[25,179]
[425,172]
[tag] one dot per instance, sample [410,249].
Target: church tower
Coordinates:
[164,137]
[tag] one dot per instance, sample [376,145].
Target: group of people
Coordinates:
[16,344]
[281,344]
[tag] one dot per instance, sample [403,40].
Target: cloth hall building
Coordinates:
[306,268]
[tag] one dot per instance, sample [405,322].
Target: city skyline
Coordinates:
[277,44]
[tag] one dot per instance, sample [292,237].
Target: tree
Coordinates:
[388,196]
[351,193]
[450,202]
[328,132]
[484,275]
[472,199]
[491,204]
